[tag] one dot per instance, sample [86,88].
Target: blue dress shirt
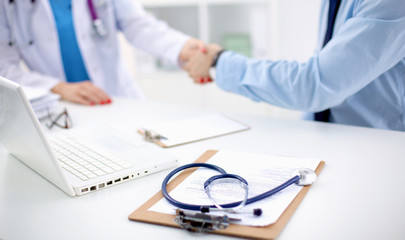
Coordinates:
[359,74]
[73,64]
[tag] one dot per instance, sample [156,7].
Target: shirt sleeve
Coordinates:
[147,33]
[365,46]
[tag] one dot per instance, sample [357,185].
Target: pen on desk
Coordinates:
[152,136]
[162,137]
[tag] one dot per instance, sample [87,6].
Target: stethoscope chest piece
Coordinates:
[307,176]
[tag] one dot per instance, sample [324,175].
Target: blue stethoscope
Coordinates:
[301,177]
[98,25]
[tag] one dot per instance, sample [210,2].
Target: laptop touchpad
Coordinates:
[118,144]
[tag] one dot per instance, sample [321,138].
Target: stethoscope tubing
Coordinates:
[263,195]
[13,1]
[9,13]
[179,169]
[193,207]
[92,10]
[93,13]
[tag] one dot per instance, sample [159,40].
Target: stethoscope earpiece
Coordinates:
[257,212]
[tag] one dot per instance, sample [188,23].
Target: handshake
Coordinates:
[197,58]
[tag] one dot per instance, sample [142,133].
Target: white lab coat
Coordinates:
[101,56]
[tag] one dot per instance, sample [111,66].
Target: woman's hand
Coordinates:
[81,92]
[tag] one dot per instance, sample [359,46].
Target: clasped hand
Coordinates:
[199,62]
[195,57]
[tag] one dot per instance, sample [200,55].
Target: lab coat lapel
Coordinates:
[54,45]
[45,4]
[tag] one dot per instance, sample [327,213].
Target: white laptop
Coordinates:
[77,165]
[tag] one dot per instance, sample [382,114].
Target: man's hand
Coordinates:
[82,92]
[199,65]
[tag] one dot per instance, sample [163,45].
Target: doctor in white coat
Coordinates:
[28,32]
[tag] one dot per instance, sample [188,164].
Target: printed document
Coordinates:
[262,172]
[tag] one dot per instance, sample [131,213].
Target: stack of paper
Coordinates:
[42,101]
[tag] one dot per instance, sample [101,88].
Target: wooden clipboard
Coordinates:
[268,232]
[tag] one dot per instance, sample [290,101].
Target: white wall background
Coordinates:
[279,29]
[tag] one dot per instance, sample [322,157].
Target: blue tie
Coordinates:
[75,69]
[333,9]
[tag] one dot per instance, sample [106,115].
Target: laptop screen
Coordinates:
[22,135]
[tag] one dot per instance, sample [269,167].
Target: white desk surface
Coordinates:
[360,193]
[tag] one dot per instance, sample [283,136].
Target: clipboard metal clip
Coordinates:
[152,136]
[201,222]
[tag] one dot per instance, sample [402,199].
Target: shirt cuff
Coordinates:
[229,71]
[174,54]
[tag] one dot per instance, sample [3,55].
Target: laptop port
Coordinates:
[125,178]
[93,188]
[101,185]
[146,171]
[109,182]
[85,189]
[117,180]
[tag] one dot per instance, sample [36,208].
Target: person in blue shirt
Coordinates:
[357,77]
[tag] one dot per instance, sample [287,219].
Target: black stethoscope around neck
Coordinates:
[301,177]
[98,26]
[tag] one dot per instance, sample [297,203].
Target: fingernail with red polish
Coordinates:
[204,50]
[201,80]
[102,102]
[209,80]
[108,101]
[92,103]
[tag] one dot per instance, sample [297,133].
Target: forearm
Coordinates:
[363,50]
[148,33]
[285,84]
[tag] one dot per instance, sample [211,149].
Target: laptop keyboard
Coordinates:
[84,161]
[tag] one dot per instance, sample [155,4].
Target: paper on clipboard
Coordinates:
[142,214]
[195,129]
[263,172]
